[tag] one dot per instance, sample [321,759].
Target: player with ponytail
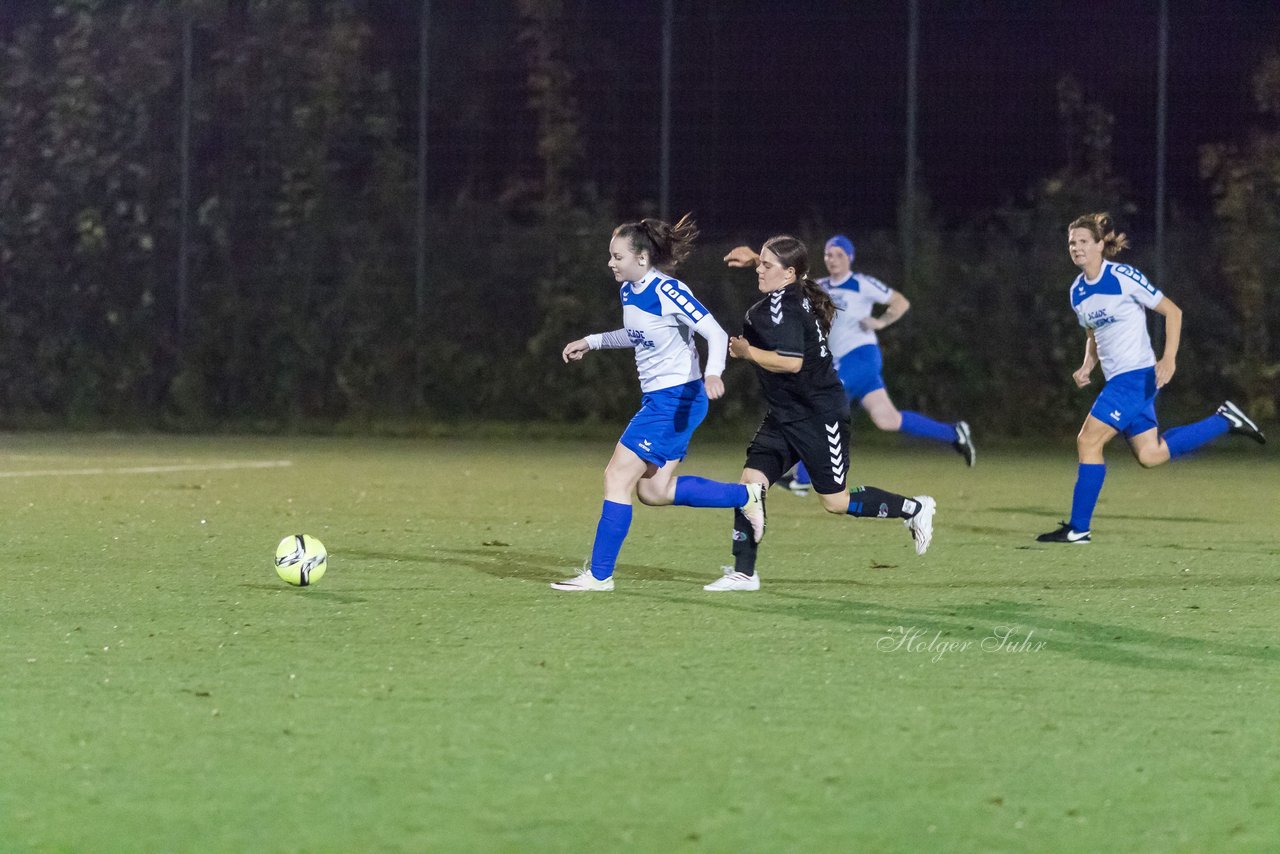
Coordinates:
[1111,302]
[660,315]
[785,338]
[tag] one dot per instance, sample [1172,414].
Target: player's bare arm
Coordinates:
[898,306]
[1168,362]
[770,360]
[1081,374]
[742,256]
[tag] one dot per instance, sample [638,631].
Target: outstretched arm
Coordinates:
[615,340]
[771,360]
[742,256]
[1168,363]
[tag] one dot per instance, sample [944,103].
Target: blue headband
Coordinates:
[844,243]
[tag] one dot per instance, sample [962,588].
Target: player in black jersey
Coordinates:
[784,336]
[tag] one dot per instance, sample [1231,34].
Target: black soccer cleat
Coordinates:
[964,443]
[1241,424]
[1065,534]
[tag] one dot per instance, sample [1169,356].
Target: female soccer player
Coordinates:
[856,350]
[1110,301]
[659,315]
[785,337]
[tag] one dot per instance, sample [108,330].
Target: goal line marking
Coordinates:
[227,466]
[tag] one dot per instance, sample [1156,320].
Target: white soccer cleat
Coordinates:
[754,509]
[584,582]
[733,581]
[921,524]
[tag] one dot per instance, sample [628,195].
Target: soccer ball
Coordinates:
[301,559]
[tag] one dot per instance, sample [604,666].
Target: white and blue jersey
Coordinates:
[855,298]
[659,316]
[1115,307]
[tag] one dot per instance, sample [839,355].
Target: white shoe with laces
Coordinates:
[921,524]
[733,581]
[584,582]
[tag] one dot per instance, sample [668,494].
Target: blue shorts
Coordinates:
[661,430]
[859,371]
[1128,402]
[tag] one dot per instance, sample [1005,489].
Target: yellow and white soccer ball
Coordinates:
[301,559]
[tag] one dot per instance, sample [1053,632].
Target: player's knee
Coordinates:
[886,419]
[650,494]
[1086,442]
[1152,457]
[615,479]
[837,503]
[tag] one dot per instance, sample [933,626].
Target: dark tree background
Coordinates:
[543,134]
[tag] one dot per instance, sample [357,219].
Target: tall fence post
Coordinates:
[184,177]
[420,225]
[909,206]
[1162,122]
[664,157]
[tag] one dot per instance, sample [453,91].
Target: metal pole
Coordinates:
[420,232]
[909,209]
[420,225]
[1162,122]
[184,176]
[664,166]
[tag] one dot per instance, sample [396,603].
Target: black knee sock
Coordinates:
[870,502]
[744,545]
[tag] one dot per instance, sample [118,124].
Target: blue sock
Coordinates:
[1085,497]
[802,475]
[1185,439]
[700,492]
[918,425]
[615,519]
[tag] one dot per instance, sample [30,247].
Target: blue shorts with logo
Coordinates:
[1128,402]
[661,430]
[859,371]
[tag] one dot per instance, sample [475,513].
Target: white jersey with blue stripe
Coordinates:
[1115,307]
[855,298]
[660,315]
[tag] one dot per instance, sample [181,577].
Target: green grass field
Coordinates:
[164,691]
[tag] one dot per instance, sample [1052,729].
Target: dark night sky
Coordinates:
[794,112]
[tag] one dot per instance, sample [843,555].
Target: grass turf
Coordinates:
[164,691]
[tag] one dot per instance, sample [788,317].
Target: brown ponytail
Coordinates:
[667,245]
[1102,227]
[793,253]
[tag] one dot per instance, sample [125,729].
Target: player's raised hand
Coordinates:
[1081,376]
[742,256]
[575,350]
[739,348]
[715,386]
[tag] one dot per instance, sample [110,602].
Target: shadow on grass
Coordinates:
[1091,641]
[309,591]
[504,562]
[1048,512]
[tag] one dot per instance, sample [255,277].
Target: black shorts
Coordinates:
[821,443]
